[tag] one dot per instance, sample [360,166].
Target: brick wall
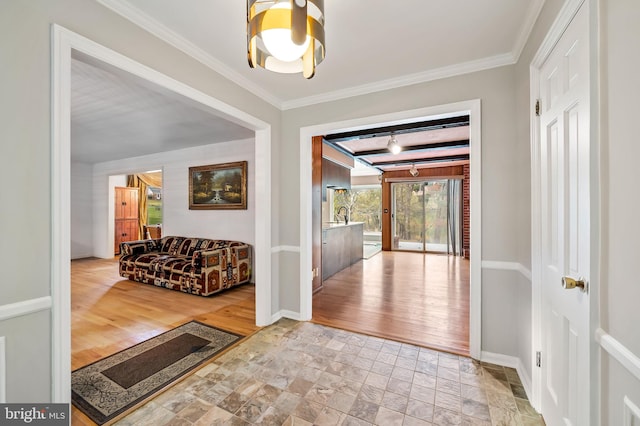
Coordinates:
[466,222]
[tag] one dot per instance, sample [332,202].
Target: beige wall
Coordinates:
[25,105]
[620,149]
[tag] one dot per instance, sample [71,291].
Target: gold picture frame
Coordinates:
[218,186]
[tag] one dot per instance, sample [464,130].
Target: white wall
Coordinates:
[177,219]
[81,210]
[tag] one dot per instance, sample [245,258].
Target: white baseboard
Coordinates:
[511,362]
[291,249]
[507,266]
[25,307]
[284,313]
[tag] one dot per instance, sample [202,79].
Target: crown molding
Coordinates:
[153,26]
[141,19]
[406,80]
[535,7]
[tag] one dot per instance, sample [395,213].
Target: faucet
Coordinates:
[346,218]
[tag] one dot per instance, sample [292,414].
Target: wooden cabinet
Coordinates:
[126,216]
[334,175]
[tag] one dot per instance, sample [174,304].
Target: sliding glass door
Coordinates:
[427,216]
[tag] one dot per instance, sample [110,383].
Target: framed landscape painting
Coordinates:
[218,186]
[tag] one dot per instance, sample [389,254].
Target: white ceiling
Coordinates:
[371,45]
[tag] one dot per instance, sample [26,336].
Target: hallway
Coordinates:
[417,298]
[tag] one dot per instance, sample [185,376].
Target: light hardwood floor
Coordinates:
[109,313]
[415,298]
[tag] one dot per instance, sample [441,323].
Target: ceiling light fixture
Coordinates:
[285,36]
[414,170]
[393,145]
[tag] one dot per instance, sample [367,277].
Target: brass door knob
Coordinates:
[568,283]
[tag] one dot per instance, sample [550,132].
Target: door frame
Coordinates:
[562,21]
[473,108]
[64,42]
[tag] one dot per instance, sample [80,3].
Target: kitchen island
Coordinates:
[342,246]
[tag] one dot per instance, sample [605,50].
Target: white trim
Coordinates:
[290,249]
[507,266]
[511,362]
[475,139]
[535,7]
[620,352]
[631,413]
[406,80]
[3,370]
[64,42]
[25,307]
[562,21]
[155,27]
[284,313]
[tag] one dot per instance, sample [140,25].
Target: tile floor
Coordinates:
[299,373]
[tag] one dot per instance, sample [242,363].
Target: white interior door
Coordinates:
[565,225]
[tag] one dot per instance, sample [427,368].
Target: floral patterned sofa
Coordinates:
[192,265]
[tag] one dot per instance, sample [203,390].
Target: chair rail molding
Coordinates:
[24,307]
[620,352]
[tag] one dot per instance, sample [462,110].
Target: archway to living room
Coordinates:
[470,108]
[67,46]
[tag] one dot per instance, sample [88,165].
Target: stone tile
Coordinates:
[444,417]
[409,351]
[341,402]
[518,391]
[377,380]
[387,357]
[448,401]
[299,386]
[215,416]
[233,402]
[448,362]
[402,374]
[178,421]
[409,363]
[364,410]
[504,417]
[395,402]
[427,367]
[473,392]
[532,421]
[307,410]
[336,345]
[371,394]
[448,373]
[249,387]
[398,386]
[195,410]
[251,411]
[354,421]
[369,353]
[374,343]
[320,393]
[296,421]
[525,408]
[448,386]
[329,417]
[310,374]
[412,421]
[472,421]
[476,409]
[382,368]
[272,416]
[287,402]
[426,380]
[501,400]
[419,410]
[423,394]
[389,417]
[175,401]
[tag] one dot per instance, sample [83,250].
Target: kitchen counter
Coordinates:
[342,246]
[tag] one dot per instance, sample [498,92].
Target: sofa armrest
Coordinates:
[137,247]
[206,259]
